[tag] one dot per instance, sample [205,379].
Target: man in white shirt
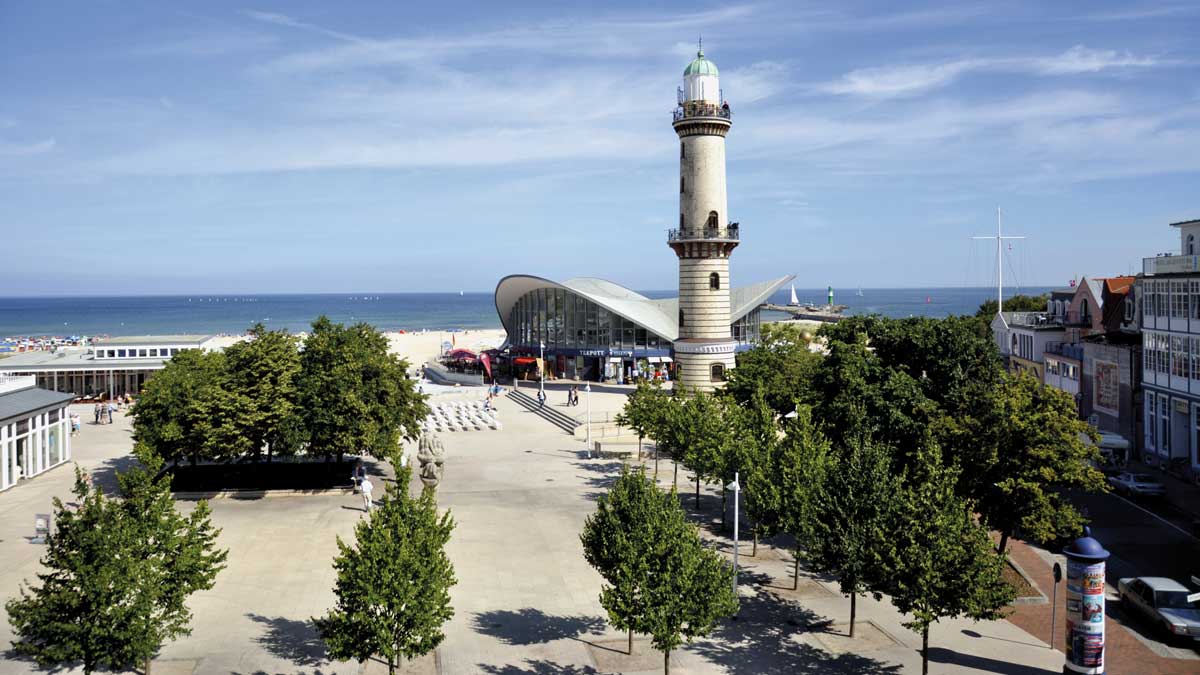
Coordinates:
[366,488]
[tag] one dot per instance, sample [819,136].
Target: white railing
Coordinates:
[16,382]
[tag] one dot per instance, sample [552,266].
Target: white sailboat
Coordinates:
[859,293]
[794,300]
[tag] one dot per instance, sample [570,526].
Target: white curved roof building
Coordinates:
[591,326]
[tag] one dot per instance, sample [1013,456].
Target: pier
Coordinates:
[825,313]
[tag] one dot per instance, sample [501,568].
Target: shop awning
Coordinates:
[524,360]
[654,359]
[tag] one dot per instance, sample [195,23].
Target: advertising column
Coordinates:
[1085,605]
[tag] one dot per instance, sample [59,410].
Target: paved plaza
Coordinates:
[526,601]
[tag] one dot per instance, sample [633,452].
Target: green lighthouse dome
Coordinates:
[701,66]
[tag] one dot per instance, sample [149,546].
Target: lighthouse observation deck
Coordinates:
[701,110]
[731,232]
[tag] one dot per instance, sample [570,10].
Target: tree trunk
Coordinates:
[724,525]
[630,650]
[853,611]
[667,662]
[147,666]
[270,451]
[925,651]
[796,571]
[1003,542]
[639,447]
[656,462]
[391,665]
[697,491]
[754,549]
[675,481]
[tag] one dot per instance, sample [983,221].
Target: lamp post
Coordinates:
[542,368]
[587,390]
[737,490]
[1085,605]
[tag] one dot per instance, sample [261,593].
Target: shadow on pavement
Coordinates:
[763,640]
[295,641]
[537,667]
[982,663]
[104,476]
[530,626]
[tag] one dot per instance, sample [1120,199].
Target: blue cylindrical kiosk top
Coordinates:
[1086,548]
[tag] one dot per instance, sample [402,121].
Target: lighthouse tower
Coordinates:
[705,238]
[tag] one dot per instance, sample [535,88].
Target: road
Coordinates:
[1142,544]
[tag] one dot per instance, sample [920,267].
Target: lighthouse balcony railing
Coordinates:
[731,232]
[700,109]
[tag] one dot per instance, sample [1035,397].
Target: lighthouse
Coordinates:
[704,240]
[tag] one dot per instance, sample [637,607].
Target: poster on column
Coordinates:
[1085,616]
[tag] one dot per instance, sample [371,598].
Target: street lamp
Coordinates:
[542,368]
[737,490]
[587,390]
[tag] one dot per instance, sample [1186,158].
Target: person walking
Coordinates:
[541,398]
[111,408]
[366,488]
[96,412]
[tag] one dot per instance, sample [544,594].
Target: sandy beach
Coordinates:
[417,348]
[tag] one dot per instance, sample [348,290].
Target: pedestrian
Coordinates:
[96,412]
[360,473]
[111,408]
[541,398]
[366,487]
[75,424]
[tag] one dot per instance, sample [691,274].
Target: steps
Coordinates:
[556,417]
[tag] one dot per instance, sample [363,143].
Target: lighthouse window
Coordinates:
[711,224]
[681,221]
[717,372]
[681,185]
[681,318]
[682,151]
[714,282]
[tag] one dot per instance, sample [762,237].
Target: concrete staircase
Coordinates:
[549,413]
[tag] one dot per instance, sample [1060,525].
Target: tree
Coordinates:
[853,520]
[706,430]
[118,574]
[393,586]
[1024,452]
[758,464]
[1017,303]
[166,417]
[941,563]
[617,540]
[643,411]
[780,367]
[356,396]
[264,369]
[799,471]
[688,586]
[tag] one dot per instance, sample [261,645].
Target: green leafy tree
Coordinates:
[1017,303]
[941,563]
[617,541]
[393,586]
[780,368]
[117,575]
[799,470]
[852,528]
[355,396]
[171,405]
[1023,455]
[689,587]
[707,430]
[758,464]
[264,369]
[643,411]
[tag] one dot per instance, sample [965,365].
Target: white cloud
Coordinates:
[8,149]
[908,80]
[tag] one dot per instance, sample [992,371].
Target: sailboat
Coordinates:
[794,300]
[859,293]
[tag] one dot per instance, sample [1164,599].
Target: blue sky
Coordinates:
[274,147]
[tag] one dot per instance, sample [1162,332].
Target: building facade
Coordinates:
[1170,302]
[35,429]
[109,367]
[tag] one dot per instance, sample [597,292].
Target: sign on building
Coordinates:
[1106,388]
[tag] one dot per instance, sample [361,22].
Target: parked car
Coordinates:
[1137,485]
[1164,602]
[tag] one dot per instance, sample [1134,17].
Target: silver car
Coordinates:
[1137,485]
[1165,602]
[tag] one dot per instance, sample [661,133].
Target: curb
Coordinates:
[258,494]
[1039,599]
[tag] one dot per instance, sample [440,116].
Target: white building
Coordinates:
[35,429]
[1024,338]
[1170,299]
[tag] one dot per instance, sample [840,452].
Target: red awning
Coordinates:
[524,360]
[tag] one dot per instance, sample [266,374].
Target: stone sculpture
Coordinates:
[432,456]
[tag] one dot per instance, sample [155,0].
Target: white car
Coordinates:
[1137,485]
[1165,602]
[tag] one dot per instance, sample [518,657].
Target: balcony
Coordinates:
[16,382]
[731,232]
[701,110]
[1171,264]
[1065,349]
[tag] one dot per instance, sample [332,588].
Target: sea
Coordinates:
[234,314]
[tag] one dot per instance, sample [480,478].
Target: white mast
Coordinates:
[999,261]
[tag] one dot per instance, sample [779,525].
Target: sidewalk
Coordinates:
[1123,652]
